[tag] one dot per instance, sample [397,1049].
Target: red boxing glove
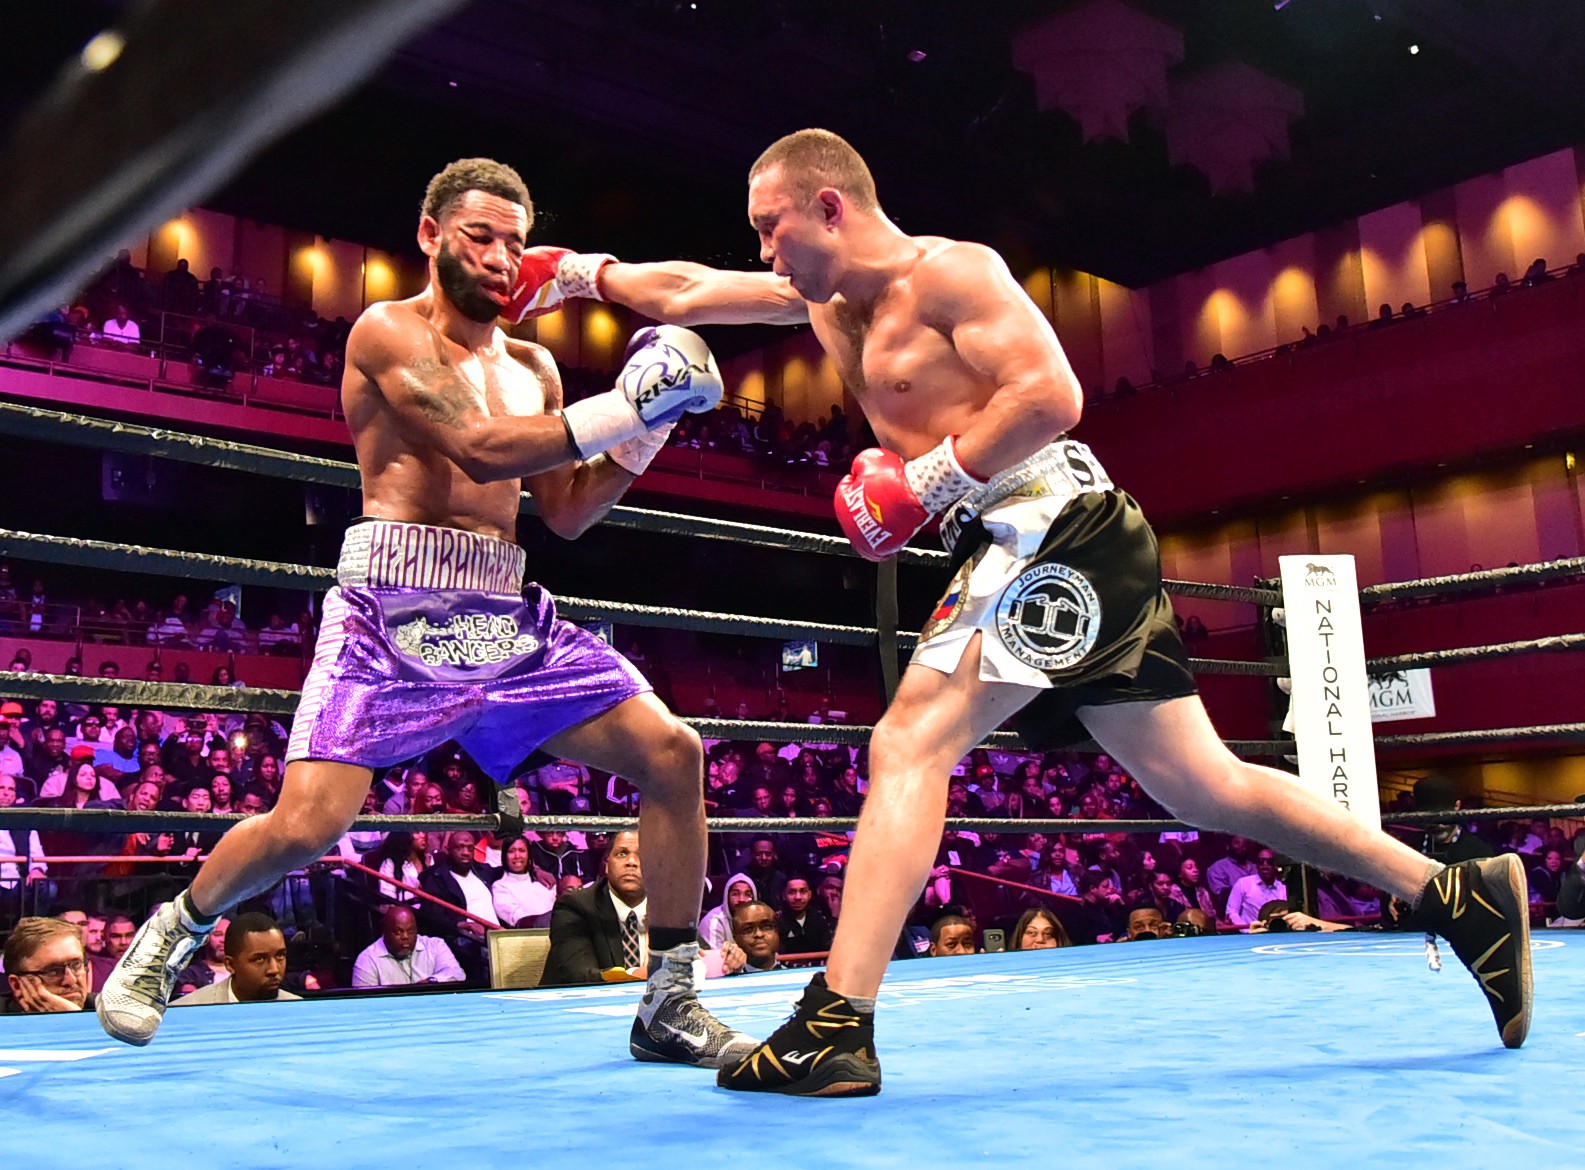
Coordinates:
[877,509]
[883,502]
[546,276]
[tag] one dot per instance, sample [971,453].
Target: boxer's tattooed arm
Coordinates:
[440,393]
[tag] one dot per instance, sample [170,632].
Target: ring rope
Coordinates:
[36,422]
[99,554]
[1519,811]
[197,696]
[1569,732]
[116,820]
[1209,591]
[1552,644]
[266,700]
[1462,582]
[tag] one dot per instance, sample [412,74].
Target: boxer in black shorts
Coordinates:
[1055,612]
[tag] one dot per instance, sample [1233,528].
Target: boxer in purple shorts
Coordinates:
[431,634]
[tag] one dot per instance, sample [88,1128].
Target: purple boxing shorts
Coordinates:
[430,635]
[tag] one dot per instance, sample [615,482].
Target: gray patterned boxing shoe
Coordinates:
[133,1000]
[673,1026]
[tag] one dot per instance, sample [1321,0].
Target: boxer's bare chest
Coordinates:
[517,381]
[406,478]
[903,370]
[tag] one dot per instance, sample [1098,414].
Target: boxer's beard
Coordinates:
[463,290]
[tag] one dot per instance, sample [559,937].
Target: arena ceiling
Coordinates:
[634,121]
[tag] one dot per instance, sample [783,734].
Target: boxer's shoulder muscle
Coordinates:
[953,277]
[406,364]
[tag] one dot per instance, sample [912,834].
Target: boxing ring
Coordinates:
[1294,1048]
[1317,1049]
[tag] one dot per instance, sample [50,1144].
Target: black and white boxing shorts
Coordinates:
[1060,573]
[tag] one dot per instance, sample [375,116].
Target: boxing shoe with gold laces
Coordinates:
[1482,907]
[827,1049]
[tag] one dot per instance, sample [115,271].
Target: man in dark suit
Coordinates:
[458,879]
[596,929]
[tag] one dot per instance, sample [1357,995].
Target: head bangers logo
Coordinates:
[1049,617]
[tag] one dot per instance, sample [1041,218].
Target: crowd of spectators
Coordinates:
[1534,276]
[360,917]
[233,323]
[771,437]
[228,324]
[34,611]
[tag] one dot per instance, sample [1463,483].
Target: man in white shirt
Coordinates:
[457,880]
[1250,893]
[121,329]
[402,956]
[13,840]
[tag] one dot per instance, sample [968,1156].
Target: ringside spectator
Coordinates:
[401,956]
[256,958]
[46,969]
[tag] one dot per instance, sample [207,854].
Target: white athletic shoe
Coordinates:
[133,1000]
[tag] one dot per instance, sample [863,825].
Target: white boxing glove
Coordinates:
[669,372]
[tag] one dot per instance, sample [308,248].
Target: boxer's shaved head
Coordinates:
[476,174]
[812,159]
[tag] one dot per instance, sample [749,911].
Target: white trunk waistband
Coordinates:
[391,554]
[1064,468]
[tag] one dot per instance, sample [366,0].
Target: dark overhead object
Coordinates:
[157,113]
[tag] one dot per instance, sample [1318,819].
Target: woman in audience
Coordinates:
[402,856]
[1038,930]
[524,896]
[791,804]
[268,776]
[1191,889]
[1053,873]
[82,791]
[466,800]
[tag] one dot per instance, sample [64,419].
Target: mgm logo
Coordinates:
[1319,576]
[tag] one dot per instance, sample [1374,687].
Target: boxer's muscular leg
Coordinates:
[646,744]
[318,801]
[932,723]
[1171,748]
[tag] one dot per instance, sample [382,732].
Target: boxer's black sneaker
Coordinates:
[1482,907]
[827,1049]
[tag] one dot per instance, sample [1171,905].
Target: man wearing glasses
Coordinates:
[1250,893]
[46,970]
[755,931]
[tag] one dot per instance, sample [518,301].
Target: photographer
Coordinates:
[1276,918]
